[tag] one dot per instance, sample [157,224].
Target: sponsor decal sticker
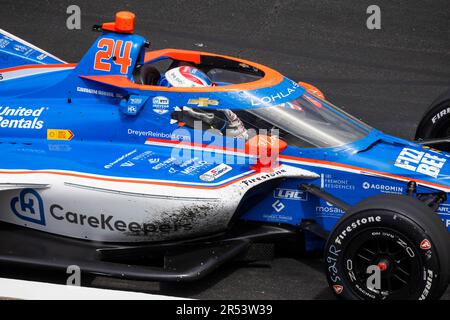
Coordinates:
[154,160]
[29,206]
[216,172]
[166,163]
[110,223]
[195,167]
[161,105]
[264,177]
[203,102]
[278,206]
[420,162]
[329,182]
[382,187]
[161,135]
[59,134]
[99,92]
[272,99]
[21,118]
[290,194]
[329,210]
[277,217]
[173,170]
[143,156]
[127,164]
[120,159]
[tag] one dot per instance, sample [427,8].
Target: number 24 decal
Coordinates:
[107,46]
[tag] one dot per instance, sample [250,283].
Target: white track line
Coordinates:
[31,290]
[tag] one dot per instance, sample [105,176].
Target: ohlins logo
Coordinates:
[21,118]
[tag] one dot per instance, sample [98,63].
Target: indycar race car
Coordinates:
[163,165]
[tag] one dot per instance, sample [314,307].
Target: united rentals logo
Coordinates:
[21,118]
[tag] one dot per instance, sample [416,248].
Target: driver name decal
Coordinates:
[420,162]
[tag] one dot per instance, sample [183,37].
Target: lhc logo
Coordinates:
[29,206]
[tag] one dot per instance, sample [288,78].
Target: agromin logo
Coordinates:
[382,187]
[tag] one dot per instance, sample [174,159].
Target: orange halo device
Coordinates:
[124,23]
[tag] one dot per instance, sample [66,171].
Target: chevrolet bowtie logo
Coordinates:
[203,102]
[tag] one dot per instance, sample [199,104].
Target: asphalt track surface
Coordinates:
[385,77]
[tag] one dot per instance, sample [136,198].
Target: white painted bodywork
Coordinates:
[102,209]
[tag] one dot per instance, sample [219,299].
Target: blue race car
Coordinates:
[163,165]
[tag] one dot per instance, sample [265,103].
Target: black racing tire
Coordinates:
[435,123]
[400,235]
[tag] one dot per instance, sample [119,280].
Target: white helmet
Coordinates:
[186,77]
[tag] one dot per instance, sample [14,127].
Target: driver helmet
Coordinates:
[185,77]
[188,77]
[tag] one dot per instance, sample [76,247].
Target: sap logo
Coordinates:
[420,162]
[29,206]
[290,194]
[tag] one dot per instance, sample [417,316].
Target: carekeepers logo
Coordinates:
[21,118]
[29,206]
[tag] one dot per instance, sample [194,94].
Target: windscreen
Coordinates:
[307,122]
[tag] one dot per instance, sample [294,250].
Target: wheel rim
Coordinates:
[396,257]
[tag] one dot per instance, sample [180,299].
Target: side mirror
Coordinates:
[132,104]
[266,149]
[312,89]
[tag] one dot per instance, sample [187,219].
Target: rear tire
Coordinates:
[399,235]
[435,122]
